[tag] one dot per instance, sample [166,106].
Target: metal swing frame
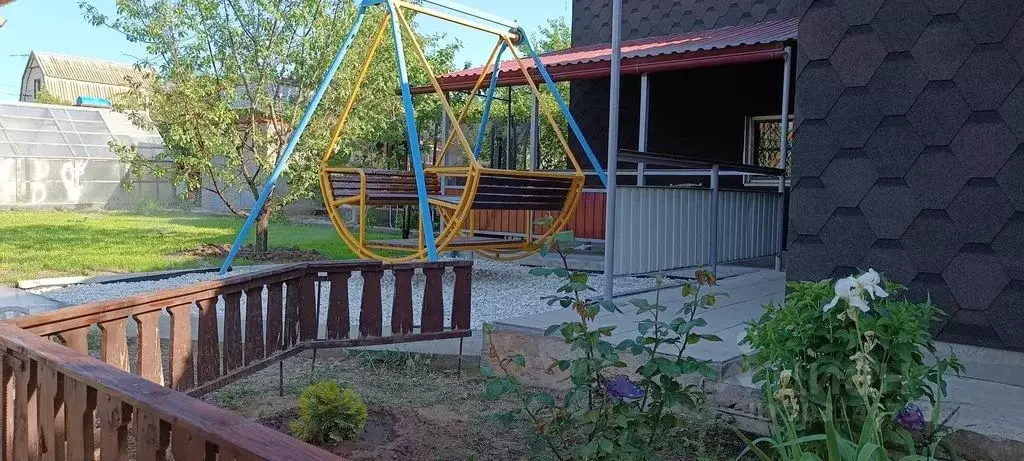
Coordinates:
[457,215]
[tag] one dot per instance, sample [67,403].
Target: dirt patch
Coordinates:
[417,410]
[250,253]
[394,433]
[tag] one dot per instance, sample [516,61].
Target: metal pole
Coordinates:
[713,244]
[534,135]
[486,113]
[508,131]
[645,88]
[787,54]
[426,221]
[613,151]
[293,140]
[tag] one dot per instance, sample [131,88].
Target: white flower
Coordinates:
[852,289]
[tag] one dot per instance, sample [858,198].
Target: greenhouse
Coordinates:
[60,156]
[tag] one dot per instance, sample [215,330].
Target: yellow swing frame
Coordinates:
[458,216]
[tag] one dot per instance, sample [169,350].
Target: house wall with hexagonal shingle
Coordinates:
[908,155]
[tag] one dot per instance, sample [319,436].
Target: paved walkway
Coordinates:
[15,301]
[740,299]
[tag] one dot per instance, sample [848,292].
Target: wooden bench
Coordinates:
[384,187]
[498,191]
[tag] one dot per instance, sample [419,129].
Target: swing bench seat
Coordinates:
[384,187]
[496,189]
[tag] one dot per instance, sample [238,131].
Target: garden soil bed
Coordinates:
[418,410]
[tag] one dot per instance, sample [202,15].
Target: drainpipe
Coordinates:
[787,54]
[613,150]
[645,94]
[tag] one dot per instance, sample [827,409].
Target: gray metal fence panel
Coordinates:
[661,229]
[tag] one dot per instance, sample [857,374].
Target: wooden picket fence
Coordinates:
[59,403]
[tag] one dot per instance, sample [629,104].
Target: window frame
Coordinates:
[749,123]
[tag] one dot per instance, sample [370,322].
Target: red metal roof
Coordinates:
[726,45]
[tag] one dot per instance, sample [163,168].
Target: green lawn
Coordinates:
[50,243]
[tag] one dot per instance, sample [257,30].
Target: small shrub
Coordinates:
[328,412]
[607,415]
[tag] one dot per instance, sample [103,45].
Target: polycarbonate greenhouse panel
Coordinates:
[664,228]
[37,130]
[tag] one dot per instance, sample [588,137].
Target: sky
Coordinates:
[57,26]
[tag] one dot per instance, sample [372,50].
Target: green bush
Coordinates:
[608,415]
[328,412]
[849,346]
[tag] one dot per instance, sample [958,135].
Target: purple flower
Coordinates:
[911,417]
[621,387]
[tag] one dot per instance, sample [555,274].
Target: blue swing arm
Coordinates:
[564,107]
[293,140]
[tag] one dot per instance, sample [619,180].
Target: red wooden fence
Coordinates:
[587,222]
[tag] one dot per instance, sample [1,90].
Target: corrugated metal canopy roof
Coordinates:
[749,43]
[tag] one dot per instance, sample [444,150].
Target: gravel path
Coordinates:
[500,291]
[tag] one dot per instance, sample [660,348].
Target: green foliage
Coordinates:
[845,370]
[230,81]
[328,412]
[44,96]
[597,419]
[871,444]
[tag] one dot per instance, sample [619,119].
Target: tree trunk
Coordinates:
[263,232]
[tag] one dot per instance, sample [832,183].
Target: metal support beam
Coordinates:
[645,96]
[412,134]
[509,162]
[293,140]
[713,225]
[613,150]
[486,113]
[787,55]
[534,135]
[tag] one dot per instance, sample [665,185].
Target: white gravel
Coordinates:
[500,291]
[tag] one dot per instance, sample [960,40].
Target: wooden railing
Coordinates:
[60,404]
[204,351]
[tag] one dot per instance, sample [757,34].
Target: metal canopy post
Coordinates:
[787,54]
[645,95]
[293,140]
[713,244]
[534,135]
[613,151]
[426,222]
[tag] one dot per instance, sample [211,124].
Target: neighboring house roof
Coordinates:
[753,42]
[69,77]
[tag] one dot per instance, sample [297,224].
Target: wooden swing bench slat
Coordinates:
[495,190]
[458,243]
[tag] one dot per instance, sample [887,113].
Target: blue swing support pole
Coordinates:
[564,107]
[487,102]
[426,221]
[293,140]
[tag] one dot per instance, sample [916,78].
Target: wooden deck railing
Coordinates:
[60,404]
[175,338]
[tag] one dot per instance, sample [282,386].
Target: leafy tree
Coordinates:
[44,96]
[552,37]
[232,78]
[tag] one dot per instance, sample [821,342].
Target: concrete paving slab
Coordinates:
[742,299]
[15,301]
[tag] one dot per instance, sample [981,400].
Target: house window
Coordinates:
[37,85]
[761,147]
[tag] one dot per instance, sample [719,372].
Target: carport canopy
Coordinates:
[715,47]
